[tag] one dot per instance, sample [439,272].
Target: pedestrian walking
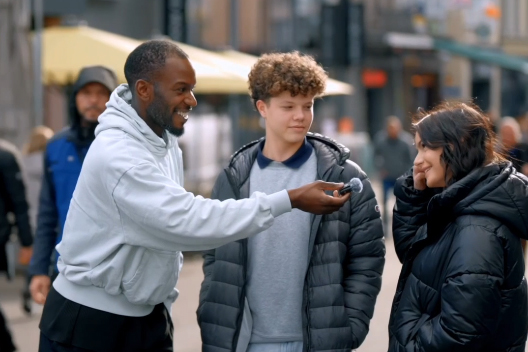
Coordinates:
[392,157]
[307,283]
[513,148]
[12,201]
[32,167]
[459,218]
[130,217]
[63,159]
[511,144]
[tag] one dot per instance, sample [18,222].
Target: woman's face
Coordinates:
[428,161]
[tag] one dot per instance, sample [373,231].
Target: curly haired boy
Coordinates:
[308,283]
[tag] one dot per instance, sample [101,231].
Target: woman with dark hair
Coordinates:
[459,218]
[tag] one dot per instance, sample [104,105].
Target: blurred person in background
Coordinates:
[511,144]
[392,158]
[459,216]
[523,123]
[12,201]
[63,159]
[307,283]
[130,217]
[32,167]
[512,147]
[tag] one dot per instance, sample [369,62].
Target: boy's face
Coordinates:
[288,118]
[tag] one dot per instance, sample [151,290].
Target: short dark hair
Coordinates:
[148,58]
[464,133]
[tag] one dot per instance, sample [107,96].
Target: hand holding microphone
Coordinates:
[354,185]
[313,199]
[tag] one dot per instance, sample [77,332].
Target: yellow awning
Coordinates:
[333,87]
[66,50]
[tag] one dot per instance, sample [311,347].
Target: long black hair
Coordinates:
[464,133]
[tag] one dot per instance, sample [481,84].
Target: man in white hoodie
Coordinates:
[130,217]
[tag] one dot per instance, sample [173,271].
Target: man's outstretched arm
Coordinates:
[181,221]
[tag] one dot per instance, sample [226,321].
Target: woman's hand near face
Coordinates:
[419,179]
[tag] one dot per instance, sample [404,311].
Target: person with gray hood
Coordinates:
[130,216]
[63,159]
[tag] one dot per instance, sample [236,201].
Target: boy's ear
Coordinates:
[261,107]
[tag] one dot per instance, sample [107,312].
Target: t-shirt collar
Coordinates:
[294,162]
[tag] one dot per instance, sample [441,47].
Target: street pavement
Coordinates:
[187,334]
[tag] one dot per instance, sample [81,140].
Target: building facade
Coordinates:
[387,49]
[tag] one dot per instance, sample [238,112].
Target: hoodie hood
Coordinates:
[91,74]
[120,114]
[497,191]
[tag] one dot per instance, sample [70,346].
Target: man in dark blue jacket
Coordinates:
[62,164]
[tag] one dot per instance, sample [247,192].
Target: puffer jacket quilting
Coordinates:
[344,274]
[462,285]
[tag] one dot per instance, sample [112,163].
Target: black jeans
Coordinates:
[69,326]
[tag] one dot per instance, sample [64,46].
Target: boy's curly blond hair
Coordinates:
[296,73]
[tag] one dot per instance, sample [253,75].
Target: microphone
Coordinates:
[354,185]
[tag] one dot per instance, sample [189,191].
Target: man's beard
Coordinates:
[161,115]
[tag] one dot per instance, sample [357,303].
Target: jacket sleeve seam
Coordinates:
[458,332]
[454,276]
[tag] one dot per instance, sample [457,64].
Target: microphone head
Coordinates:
[356,185]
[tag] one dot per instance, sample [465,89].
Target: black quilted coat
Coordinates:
[462,285]
[344,273]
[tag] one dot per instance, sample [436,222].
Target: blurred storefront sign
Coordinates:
[423,80]
[372,78]
[409,41]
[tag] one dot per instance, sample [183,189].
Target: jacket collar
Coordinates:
[329,154]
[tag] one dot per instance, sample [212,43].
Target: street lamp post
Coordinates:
[38,15]
[234,108]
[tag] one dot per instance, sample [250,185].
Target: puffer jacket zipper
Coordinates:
[242,300]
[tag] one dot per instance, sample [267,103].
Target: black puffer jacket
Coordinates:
[344,273]
[462,285]
[12,200]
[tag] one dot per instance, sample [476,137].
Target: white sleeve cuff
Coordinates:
[280,203]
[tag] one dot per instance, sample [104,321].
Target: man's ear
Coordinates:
[262,108]
[144,90]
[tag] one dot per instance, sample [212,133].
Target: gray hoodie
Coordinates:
[130,218]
